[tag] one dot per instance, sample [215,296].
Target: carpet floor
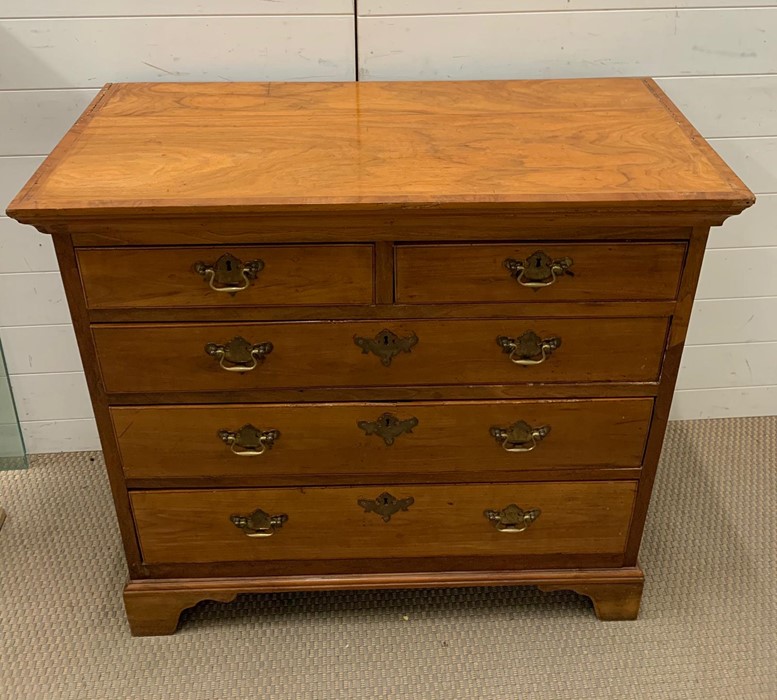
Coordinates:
[708,627]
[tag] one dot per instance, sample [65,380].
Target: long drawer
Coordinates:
[393,521]
[302,440]
[250,356]
[163,277]
[545,271]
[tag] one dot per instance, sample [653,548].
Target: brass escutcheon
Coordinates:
[388,426]
[538,270]
[249,441]
[229,274]
[512,518]
[520,436]
[386,345]
[529,348]
[238,355]
[259,523]
[386,505]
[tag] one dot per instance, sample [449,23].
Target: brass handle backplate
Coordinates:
[538,270]
[388,426]
[385,505]
[249,441]
[386,345]
[259,523]
[520,436]
[529,348]
[229,274]
[512,518]
[238,355]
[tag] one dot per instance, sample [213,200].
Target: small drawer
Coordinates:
[223,357]
[530,272]
[386,521]
[433,439]
[229,276]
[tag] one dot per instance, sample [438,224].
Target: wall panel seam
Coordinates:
[732,344]
[604,10]
[189,16]
[729,388]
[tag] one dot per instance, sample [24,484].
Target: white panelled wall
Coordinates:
[717,59]
[54,56]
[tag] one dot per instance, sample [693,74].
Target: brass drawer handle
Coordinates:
[386,345]
[538,270]
[385,505]
[529,348]
[229,274]
[388,426]
[249,441]
[259,523]
[520,436]
[512,518]
[238,355]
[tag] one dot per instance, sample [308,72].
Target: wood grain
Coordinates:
[160,277]
[153,607]
[433,392]
[377,564]
[146,358]
[75,300]
[438,223]
[317,439]
[153,613]
[473,473]
[612,601]
[671,368]
[387,311]
[241,148]
[476,273]
[380,206]
[384,272]
[195,526]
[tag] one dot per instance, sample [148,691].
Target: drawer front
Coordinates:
[190,526]
[512,273]
[387,438]
[146,358]
[152,278]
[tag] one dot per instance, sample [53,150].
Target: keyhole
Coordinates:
[385,340]
[537,262]
[385,500]
[229,265]
[386,422]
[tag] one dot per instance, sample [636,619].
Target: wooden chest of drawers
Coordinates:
[380,334]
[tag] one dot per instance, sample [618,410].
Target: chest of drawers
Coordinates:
[380,335]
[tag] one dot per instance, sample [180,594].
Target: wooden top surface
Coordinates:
[189,148]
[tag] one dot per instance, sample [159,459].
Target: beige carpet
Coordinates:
[708,627]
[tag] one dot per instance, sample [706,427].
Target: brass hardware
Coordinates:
[386,505]
[259,523]
[251,441]
[388,426]
[529,348]
[386,345]
[538,270]
[241,355]
[512,518]
[229,274]
[520,436]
